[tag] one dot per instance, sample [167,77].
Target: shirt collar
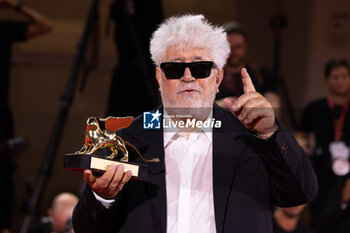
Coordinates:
[169,133]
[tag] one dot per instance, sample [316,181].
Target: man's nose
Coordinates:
[187,77]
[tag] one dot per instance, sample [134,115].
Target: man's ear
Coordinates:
[218,80]
[159,76]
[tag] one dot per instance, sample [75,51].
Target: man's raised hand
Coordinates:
[253,110]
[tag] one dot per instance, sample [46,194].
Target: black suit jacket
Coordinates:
[249,176]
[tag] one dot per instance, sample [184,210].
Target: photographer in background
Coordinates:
[328,121]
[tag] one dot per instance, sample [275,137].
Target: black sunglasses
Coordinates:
[199,69]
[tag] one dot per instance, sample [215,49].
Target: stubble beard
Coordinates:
[189,107]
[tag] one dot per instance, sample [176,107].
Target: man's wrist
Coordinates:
[267,135]
[105,202]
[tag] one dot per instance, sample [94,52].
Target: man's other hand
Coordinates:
[110,183]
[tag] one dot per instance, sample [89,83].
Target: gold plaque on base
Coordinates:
[80,162]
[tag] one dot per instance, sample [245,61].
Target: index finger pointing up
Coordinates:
[248,85]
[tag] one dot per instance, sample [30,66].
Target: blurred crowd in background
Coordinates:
[323,130]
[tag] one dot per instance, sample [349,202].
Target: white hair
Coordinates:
[192,31]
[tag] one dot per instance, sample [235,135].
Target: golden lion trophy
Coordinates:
[99,134]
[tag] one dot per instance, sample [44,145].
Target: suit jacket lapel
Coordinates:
[151,142]
[226,155]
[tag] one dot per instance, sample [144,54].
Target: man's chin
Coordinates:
[190,104]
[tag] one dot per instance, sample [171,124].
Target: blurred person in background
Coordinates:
[326,125]
[59,218]
[11,32]
[133,89]
[335,217]
[287,219]
[263,79]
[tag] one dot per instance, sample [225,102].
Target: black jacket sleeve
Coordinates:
[88,213]
[293,181]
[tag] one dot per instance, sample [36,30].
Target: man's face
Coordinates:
[60,216]
[339,81]
[238,49]
[188,92]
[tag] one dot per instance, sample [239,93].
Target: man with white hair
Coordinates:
[220,178]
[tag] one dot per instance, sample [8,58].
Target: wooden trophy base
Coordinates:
[80,162]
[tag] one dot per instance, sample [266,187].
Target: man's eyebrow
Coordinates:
[197,58]
[176,59]
[181,59]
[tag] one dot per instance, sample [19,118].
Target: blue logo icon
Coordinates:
[151,120]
